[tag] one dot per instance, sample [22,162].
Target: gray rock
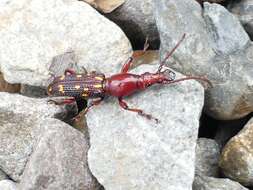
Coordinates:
[33,91]
[19,116]
[218,20]
[59,160]
[244,11]
[174,18]
[136,18]
[215,46]
[211,183]
[3,175]
[236,159]
[33,32]
[57,67]
[8,185]
[131,152]
[207,157]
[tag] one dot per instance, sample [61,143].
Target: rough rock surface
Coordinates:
[218,20]
[59,160]
[57,67]
[8,185]
[131,152]
[18,118]
[244,11]
[207,157]
[33,91]
[215,46]
[137,20]
[211,183]
[236,159]
[2,175]
[33,32]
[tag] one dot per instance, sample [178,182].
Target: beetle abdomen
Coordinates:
[78,85]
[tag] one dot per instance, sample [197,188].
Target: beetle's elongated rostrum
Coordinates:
[96,86]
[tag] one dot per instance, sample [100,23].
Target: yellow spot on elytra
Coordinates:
[50,89]
[84,94]
[97,86]
[85,89]
[62,77]
[61,89]
[77,87]
[99,78]
[78,76]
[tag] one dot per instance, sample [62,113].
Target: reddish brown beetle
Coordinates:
[96,86]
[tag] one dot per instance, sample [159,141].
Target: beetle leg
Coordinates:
[69,72]
[127,65]
[91,104]
[62,101]
[124,105]
[136,54]
[84,70]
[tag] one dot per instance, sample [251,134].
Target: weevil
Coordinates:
[96,85]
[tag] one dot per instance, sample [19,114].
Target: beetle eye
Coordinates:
[170,75]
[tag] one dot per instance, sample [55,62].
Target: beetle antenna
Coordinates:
[190,78]
[170,53]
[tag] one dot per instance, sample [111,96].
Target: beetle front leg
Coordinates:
[124,105]
[136,54]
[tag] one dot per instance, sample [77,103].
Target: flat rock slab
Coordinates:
[33,32]
[131,152]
